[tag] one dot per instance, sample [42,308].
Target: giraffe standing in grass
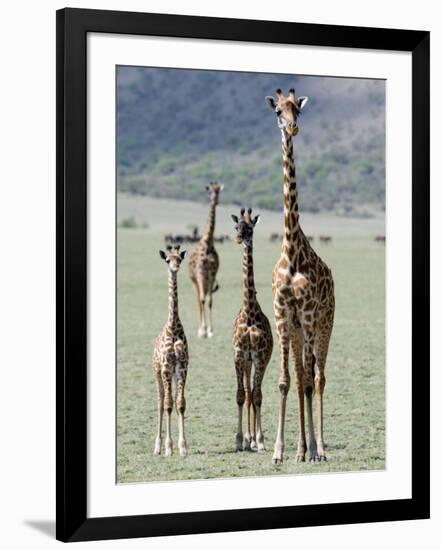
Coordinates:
[170,359]
[303,296]
[203,265]
[252,343]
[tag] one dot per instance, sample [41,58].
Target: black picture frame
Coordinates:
[72,523]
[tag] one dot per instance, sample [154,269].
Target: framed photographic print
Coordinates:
[242,274]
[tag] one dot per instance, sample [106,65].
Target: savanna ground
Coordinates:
[354,399]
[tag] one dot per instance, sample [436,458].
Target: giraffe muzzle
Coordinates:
[292,130]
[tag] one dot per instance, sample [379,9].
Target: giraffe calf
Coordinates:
[170,360]
[252,344]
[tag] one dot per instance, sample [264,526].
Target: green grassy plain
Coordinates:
[354,401]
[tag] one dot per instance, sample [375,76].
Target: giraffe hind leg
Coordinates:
[202,332]
[198,299]
[210,331]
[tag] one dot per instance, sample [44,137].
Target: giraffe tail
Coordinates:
[179,347]
[215,287]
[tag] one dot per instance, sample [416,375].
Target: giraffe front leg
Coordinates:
[168,407]
[319,383]
[247,438]
[284,383]
[258,442]
[240,399]
[180,409]
[168,436]
[160,388]
[297,351]
[181,376]
[324,336]
[308,382]
[321,350]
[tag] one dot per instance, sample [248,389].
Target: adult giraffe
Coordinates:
[303,297]
[204,264]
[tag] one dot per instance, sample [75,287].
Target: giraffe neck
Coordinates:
[211,222]
[173,313]
[290,204]
[249,290]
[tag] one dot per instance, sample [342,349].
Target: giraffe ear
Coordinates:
[163,255]
[183,254]
[234,218]
[256,219]
[302,101]
[271,101]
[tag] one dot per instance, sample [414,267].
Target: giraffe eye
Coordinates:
[278,112]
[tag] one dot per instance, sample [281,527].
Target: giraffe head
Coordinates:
[244,226]
[173,257]
[287,110]
[214,189]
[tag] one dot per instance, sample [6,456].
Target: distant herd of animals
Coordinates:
[322,238]
[303,302]
[193,237]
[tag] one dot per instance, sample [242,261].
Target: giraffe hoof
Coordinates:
[246,444]
[253,445]
[157,450]
[278,454]
[183,451]
[202,333]
[210,334]
[315,458]
[300,457]
[169,451]
[239,442]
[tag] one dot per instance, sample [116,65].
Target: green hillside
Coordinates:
[178,129]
